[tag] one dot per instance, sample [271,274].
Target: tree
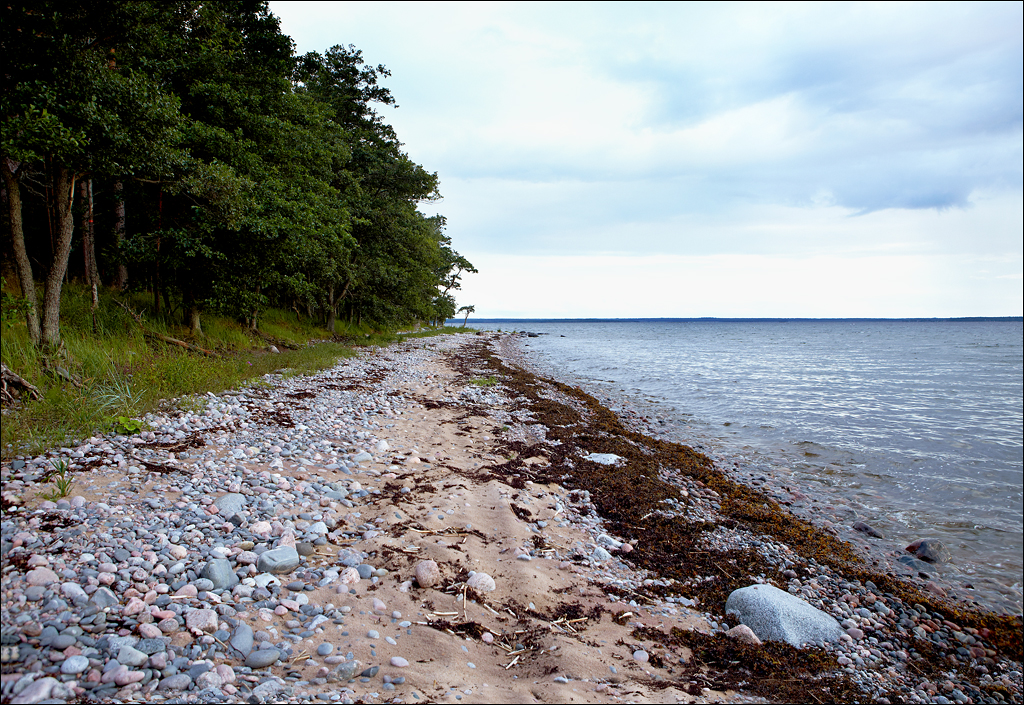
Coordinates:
[69,113]
[468,310]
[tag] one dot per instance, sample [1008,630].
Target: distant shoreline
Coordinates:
[966,319]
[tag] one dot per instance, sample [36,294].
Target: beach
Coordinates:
[433,521]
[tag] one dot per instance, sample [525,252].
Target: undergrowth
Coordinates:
[106,371]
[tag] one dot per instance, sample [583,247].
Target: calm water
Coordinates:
[913,426]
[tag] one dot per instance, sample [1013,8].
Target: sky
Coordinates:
[731,160]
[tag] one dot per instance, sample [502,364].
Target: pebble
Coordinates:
[183,555]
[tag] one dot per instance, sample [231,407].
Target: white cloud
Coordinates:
[714,131]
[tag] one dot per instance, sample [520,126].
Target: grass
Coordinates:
[121,375]
[484,381]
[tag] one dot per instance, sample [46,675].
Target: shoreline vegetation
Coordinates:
[610,578]
[114,366]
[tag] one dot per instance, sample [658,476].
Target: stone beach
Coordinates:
[348,536]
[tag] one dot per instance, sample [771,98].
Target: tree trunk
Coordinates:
[92,274]
[63,198]
[194,321]
[24,266]
[121,279]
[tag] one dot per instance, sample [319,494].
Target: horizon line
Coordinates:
[742,319]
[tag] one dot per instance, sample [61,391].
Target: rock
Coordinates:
[262,658]
[74,665]
[180,681]
[399,662]
[344,671]
[428,573]
[41,576]
[219,572]
[201,620]
[230,504]
[641,656]
[210,679]
[271,692]
[931,550]
[866,528]
[325,649]
[36,691]
[600,555]
[362,457]
[481,582]
[378,606]
[278,561]
[134,606]
[242,638]
[72,591]
[744,634]
[131,657]
[604,458]
[774,614]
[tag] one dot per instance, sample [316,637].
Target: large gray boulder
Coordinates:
[219,572]
[230,504]
[774,614]
[278,561]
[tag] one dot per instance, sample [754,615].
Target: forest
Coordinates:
[185,150]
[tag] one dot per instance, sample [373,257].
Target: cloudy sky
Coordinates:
[625,160]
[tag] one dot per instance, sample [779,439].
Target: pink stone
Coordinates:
[110,675]
[349,576]
[213,509]
[261,528]
[226,673]
[162,614]
[94,676]
[744,634]
[487,637]
[36,561]
[149,631]
[399,662]
[379,606]
[290,605]
[127,677]
[41,576]
[201,620]
[187,591]
[287,539]
[428,573]
[626,548]
[106,578]
[150,597]
[134,606]
[168,626]
[280,610]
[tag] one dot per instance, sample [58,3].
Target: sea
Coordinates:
[912,426]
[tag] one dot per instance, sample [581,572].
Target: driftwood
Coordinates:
[166,338]
[14,380]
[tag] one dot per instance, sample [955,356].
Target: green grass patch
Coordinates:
[107,376]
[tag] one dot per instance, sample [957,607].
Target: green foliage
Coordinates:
[127,426]
[63,479]
[484,381]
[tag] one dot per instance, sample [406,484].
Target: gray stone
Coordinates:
[344,671]
[74,665]
[271,692]
[203,584]
[601,554]
[179,681]
[362,457]
[866,528]
[774,614]
[262,658]
[37,691]
[230,504]
[933,551]
[365,571]
[104,598]
[242,638]
[62,641]
[604,458]
[325,649]
[220,573]
[279,561]
[152,646]
[131,657]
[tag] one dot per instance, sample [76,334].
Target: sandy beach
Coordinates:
[434,522]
